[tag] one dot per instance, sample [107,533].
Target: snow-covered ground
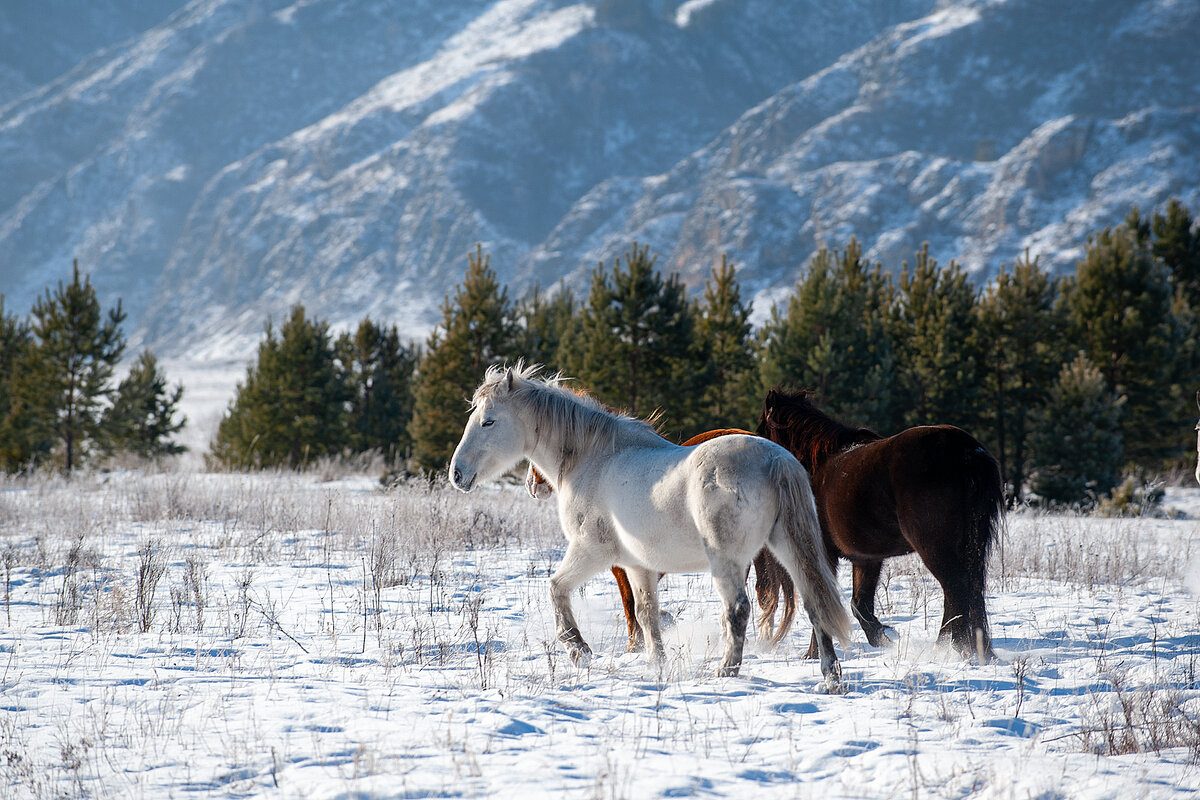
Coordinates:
[316,636]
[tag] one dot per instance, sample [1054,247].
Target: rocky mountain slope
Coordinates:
[245,155]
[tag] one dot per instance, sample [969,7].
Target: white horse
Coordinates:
[627,496]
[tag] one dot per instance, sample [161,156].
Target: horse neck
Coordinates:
[557,443]
[815,437]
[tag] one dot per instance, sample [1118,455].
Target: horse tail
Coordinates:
[985,513]
[796,541]
[770,581]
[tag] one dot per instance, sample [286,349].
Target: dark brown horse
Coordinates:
[770,578]
[933,490]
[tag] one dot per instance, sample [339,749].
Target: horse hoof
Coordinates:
[888,637]
[728,670]
[580,656]
[830,686]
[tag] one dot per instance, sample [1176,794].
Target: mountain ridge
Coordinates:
[245,155]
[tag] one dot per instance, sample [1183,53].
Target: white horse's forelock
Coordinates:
[580,425]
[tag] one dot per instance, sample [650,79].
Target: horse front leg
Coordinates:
[862,603]
[579,564]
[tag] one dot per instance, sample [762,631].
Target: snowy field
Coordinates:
[180,634]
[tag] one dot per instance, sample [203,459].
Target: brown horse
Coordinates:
[934,490]
[770,578]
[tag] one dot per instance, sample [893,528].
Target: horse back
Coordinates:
[873,496]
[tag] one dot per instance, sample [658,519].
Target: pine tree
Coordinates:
[1076,440]
[1022,340]
[933,329]
[478,330]
[1174,238]
[634,348]
[1119,304]
[66,375]
[16,445]
[833,339]
[291,408]
[728,371]
[545,323]
[379,371]
[141,419]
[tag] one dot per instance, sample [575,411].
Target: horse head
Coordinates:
[494,438]
[781,408]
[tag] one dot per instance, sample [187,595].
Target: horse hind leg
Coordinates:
[964,615]
[644,592]
[637,640]
[802,553]
[730,581]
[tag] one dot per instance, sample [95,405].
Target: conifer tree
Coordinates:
[546,322]
[727,368]
[478,330]
[1021,345]
[66,375]
[16,447]
[634,347]
[379,371]
[141,419]
[1119,305]
[933,329]
[291,408]
[1174,238]
[1076,441]
[833,339]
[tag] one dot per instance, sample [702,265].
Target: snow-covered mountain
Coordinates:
[244,155]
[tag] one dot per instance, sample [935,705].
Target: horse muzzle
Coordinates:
[460,480]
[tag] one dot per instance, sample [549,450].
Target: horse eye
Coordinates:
[487,423]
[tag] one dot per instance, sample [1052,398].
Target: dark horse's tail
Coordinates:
[984,497]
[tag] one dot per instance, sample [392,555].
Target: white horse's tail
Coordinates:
[796,542]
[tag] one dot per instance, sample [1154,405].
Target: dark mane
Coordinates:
[812,435]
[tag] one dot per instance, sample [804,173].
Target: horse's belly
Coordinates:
[664,553]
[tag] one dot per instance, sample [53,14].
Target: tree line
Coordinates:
[1069,380]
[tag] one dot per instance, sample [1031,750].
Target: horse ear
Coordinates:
[1198,398]
[509,379]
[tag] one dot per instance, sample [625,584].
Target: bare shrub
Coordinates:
[152,565]
[1142,720]
[70,597]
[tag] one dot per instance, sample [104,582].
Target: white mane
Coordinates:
[580,423]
